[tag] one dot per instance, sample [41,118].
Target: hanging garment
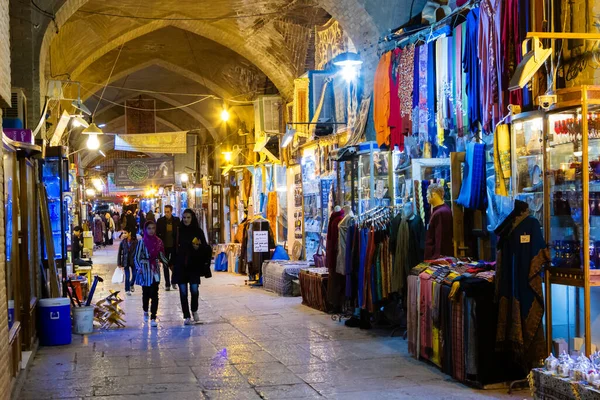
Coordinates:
[457,76]
[439,240]
[522,253]
[472,69]
[511,50]
[472,191]
[381,100]
[272,205]
[423,94]
[406,77]
[416,91]
[502,159]
[425,316]
[258,257]
[336,282]
[431,97]
[458,329]
[490,22]
[412,316]
[395,121]
[409,251]
[343,229]
[442,87]
[363,244]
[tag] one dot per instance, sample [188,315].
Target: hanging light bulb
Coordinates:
[349,73]
[185,177]
[224,115]
[93,143]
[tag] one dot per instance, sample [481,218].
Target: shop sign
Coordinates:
[261,241]
[19,135]
[144,172]
[171,142]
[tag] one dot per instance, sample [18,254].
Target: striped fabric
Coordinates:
[146,276]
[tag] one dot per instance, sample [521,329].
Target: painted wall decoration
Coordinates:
[331,40]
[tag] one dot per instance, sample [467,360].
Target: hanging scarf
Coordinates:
[154,246]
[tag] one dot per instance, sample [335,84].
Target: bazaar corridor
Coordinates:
[252,345]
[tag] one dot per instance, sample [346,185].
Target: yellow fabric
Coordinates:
[435,332]
[454,290]
[272,210]
[381,100]
[502,159]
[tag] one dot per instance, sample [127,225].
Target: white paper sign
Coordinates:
[261,241]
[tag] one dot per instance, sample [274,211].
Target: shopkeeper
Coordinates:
[439,240]
[76,248]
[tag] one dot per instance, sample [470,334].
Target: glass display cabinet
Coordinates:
[426,171]
[311,194]
[373,177]
[572,214]
[55,177]
[401,180]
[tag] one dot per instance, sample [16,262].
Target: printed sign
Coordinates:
[19,135]
[143,172]
[261,241]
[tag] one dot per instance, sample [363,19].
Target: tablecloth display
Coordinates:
[278,275]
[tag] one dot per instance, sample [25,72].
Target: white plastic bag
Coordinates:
[118,276]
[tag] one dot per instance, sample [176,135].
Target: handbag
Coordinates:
[206,271]
[319,257]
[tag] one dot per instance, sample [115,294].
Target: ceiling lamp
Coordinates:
[224,115]
[93,143]
[185,177]
[92,129]
[90,192]
[531,63]
[78,122]
[347,59]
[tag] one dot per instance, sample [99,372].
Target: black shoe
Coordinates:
[353,322]
[168,288]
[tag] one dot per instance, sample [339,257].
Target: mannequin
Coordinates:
[439,240]
[407,211]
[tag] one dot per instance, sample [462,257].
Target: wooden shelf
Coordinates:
[572,276]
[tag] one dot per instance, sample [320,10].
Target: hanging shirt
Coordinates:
[395,121]
[489,47]
[406,76]
[381,100]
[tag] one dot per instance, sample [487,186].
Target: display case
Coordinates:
[215,234]
[424,172]
[401,179]
[373,177]
[55,177]
[311,193]
[572,212]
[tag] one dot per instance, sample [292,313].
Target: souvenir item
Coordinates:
[551,363]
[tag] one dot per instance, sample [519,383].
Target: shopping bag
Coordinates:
[118,276]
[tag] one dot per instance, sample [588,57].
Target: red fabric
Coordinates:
[395,121]
[333,235]
[511,50]
[439,240]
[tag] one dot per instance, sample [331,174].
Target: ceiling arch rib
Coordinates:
[166,99]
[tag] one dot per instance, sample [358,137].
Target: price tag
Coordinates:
[525,239]
[261,241]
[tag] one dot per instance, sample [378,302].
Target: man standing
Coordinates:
[130,224]
[166,230]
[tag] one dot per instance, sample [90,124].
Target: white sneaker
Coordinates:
[128,293]
[196,317]
[154,323]
[146,316]
[175,287]
[187,321]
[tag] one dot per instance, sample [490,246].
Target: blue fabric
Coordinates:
[472,70]
[221,262]
[364,237]
[473,190]
[280,254]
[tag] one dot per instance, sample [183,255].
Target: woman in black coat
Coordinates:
[192,260]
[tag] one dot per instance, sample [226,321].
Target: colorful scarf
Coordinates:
[154,246]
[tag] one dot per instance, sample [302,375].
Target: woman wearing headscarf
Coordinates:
[149,253]
[98,227]
[193,257]
[110,229]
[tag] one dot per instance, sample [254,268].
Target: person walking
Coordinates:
[110,229]
[125,259]
[129,222]
[190,263]
[149,253]
[166,229]
[98,228]
[150,216]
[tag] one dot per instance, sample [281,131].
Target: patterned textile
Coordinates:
[472,69]
[412,316]
[406,76]
[473,190]
[546,386]
[489,47]
[146,274]
[425,317]
[424,116]
[395,121]
[502,159]
[458,351]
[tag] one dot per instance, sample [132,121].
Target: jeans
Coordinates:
[150,293]
[129,278]
[183,296]
[170,253]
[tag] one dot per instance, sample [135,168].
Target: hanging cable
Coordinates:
[152,109]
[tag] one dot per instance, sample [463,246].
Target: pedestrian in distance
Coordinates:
[166,229]
[126,259]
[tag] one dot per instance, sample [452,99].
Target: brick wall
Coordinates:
[590,75]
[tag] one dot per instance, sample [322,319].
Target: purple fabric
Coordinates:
[154,246]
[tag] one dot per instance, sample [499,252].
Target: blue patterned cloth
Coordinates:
[473,190]
[472,70]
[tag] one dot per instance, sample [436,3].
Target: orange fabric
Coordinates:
[272,210]
[381,100]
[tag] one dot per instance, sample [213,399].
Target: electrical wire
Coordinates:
[100,99]
[266,14]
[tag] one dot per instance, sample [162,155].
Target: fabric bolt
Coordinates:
[426,349]
[395,121]
[489,36]
[412,315]
[502,165]
[458,349]
[381,100]
[439,240]
[472,69]
[519,286]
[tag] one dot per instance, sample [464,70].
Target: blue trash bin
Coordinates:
[55,322]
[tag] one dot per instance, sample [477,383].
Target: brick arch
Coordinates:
[351,14]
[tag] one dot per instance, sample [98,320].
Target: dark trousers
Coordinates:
[129,278]
[183,296]
[150,293]
[82,263]
[170,253]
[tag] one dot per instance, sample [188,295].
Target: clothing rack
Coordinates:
[427,33]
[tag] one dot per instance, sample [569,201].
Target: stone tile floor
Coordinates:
[253,345]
